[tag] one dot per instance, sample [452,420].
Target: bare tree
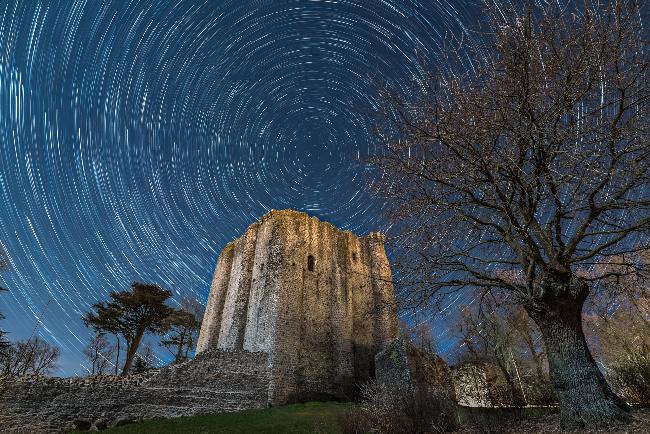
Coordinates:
[421,335]
[521,173]
[501,334]
[4,259]
[4,266]
[33,356]
[183,326]
[99,353]
[4,343]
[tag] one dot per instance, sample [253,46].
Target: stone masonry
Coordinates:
[215,381]
[319,301]
[297,310]
[400,362]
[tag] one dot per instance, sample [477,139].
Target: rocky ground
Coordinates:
[550,423]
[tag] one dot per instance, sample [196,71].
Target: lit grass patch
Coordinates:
[311,417]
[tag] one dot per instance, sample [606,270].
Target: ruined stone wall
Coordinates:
[471,386]
[321,328]
[274,331]
[213,382]
[402,363]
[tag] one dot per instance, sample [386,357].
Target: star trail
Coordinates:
[137,138]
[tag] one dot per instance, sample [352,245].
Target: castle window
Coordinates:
[310,262]
[354,256]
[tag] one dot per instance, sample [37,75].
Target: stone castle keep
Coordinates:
[319,301]
[297,310]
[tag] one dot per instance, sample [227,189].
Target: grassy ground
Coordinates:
[311,417]
[324,418]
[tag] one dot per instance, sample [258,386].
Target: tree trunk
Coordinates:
[117,357]
[585,397]
[179,351]
[131,350]
[516,394]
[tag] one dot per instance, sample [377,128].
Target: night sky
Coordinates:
[137,138]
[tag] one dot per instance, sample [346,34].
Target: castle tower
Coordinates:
[319,301]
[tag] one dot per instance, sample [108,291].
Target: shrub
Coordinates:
[540,392]
[403,409]
[632,379]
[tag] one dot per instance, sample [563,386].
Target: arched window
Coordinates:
[310,262]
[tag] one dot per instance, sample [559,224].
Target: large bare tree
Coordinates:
[522,172]
[4,266]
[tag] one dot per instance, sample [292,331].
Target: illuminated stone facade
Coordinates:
[318,300]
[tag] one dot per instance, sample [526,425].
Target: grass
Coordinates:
[311,417]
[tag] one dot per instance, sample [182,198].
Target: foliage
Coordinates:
[632,378]
[32,356]
[183,327]
[131,314]
[401,409]
[144,359]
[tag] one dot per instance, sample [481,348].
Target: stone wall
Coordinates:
[275,330]
[214,381]
[485,385]
[402,363]
[321,327]
[470,382]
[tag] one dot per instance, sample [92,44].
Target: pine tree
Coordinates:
[131,314]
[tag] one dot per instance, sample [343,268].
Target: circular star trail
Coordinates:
[139,137]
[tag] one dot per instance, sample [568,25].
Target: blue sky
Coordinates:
[137,138]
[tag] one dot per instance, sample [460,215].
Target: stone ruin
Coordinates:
[471,384]
[297,310]
[213,381]
[401,363]
[319,301]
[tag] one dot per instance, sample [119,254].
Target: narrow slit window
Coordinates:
[310,262]
[354,256]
